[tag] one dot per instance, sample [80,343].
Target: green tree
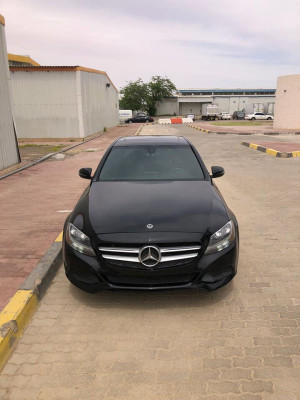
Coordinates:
[134,96]
[140,96]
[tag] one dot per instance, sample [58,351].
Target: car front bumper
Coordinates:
[208,272]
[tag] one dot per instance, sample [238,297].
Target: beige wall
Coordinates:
[287,104]
[168,107]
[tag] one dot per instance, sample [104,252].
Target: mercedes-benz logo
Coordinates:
[149,256]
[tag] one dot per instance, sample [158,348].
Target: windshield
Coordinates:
[151,162]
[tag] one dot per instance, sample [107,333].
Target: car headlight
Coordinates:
[221,239]
[79,241]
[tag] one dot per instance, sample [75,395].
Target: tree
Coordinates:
[140,96]
[134,96]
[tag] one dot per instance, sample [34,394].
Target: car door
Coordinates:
[261,116]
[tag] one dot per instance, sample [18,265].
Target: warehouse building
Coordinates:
[63,102]
[9,151]
[228,100]
[287,106]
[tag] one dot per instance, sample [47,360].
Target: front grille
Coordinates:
[170,255]
[163,280]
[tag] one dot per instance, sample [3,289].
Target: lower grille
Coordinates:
[150,280]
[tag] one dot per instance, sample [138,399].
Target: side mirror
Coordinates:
[217,172]
[85,173]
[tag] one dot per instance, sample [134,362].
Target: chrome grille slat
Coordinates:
[119,250]
[178,249]
[120,258]
[178,257]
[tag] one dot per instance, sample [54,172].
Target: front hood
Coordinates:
[128,207]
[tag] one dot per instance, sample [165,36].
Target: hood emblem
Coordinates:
[149,226]
[149,256]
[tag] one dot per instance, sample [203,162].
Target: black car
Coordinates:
[151,218]
[238,115]
[139,118]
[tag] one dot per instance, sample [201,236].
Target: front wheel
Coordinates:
[130,122]
[253,119]
[269,118]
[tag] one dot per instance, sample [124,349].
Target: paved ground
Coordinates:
[241,342]
[34,204]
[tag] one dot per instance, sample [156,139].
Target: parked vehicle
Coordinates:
[191,116]
[139,118]
[210,112]
[224,115]
[238,115]
[259,115]
[125,114]
[123,233]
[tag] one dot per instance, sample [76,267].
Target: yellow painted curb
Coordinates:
[13,320]
[253,146]
[272,152]
[59,237]
[296,153]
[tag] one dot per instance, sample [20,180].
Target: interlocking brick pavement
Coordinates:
[29,205]
[238,343]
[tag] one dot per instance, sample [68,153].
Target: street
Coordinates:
[240,342]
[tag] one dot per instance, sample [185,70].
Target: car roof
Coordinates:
[152,140]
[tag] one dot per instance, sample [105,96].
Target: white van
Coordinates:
[125,114]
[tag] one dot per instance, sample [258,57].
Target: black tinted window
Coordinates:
[151,163]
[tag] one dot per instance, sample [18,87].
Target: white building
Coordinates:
[9,152]
[287,106]
[63,102]
[228,100]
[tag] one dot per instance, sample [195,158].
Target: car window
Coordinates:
[153,162]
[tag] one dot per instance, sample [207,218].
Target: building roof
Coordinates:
[59,68]
[22,59]
[227,90]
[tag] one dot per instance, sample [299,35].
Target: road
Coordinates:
[240,342]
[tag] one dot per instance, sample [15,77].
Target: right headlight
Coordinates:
[221,239]
[79,241]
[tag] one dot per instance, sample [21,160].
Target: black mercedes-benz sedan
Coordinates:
[151,218]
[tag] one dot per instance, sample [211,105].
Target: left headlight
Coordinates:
[79,241]
[221,239]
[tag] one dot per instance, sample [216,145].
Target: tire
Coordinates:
[269,118]
[253,119]
[130,122]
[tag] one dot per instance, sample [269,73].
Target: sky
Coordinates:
[195,43]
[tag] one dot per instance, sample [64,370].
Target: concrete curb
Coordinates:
[199,129]
[22,306]
[272,152]
[244,133]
